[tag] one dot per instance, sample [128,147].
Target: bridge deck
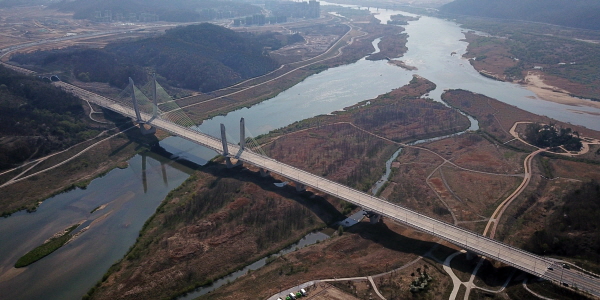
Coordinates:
[466,239]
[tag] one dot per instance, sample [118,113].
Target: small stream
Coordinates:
[309,239]
[388,164]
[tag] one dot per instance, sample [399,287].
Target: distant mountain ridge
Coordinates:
[572,13]
[171,10]
[202,57]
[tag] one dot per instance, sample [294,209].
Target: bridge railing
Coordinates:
[456,235]
[461,237]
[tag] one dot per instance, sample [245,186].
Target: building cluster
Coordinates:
[108,16]
[310,9]
[280,11]
[214,14]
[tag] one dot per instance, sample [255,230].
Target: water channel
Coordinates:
[70,271]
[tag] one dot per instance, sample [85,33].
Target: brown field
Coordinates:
[497,117]
[192,241]
[469,193]
[491,57]
[408,186]
[351,255]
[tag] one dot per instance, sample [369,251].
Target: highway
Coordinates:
[520,259]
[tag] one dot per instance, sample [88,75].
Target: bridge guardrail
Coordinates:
[362,199]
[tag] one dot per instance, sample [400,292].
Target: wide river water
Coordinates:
[130,200]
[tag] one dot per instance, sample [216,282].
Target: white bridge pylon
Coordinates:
[158,106]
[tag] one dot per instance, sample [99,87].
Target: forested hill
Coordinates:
[11,3]
[36,118]
[171,10]
[572,13]
[201,57]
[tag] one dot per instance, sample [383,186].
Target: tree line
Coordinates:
[172,10]
[573,229]
[36,119]
[572,13]
[548,136]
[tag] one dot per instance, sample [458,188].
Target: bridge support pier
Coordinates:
[264,173]
[471,255]
[299,186]
[242,134]
[226,150]
[147,131]
[231,164]
[374,218]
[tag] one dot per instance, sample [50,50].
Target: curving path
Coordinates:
[490,229]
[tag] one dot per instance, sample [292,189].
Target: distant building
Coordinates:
[314,9]
[258,19]
[105,17]
[310,9]
[108,16]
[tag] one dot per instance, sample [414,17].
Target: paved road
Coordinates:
[469,240]
[528,262]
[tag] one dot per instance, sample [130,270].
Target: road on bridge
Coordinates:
[523,260]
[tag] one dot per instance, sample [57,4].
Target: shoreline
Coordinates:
[535,83]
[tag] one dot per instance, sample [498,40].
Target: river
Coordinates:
[70,271]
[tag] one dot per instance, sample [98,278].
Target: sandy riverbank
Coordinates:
[535,83]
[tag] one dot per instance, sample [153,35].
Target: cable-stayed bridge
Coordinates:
[159,111]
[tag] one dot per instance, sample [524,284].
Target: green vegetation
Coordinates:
[547,136]
[201,57]
[421,282]
[401,20]
[36,119]
[45,249]
[571,13]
